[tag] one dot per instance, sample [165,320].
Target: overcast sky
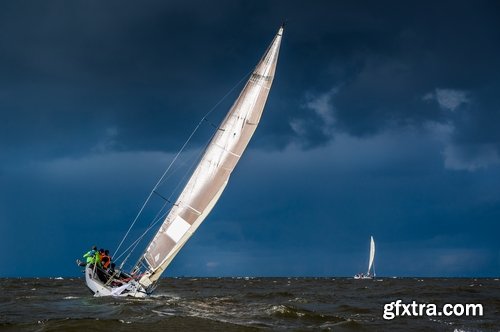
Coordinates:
[383,120]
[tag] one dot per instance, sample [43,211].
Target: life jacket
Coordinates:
[90,256]
[97,258]
[106,260]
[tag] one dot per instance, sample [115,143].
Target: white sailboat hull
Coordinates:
[98,288]
[363,277]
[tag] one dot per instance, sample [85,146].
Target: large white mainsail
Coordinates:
[372,254]
[212,173]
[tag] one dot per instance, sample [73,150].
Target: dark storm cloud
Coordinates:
[73,72]
[383,61]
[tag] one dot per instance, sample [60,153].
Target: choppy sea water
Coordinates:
[241,304]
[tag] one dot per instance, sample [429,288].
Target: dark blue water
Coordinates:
[240,304]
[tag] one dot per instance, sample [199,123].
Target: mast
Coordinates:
[211,176]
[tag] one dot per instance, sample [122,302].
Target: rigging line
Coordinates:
[159,214]
[136,242]
[195,161]
[160,180]
[175,158]
[163,197]
[177,168]
[159,217]
[211,123]
[140,237]
[189,171]
[211,110]
[190,160]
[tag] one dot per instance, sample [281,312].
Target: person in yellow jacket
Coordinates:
[98,257]
[90,257]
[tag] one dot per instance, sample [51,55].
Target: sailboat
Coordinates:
[201,192]
[370,274]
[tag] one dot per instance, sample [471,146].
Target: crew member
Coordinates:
[90,257]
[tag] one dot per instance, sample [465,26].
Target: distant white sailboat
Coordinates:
[201,192]
[370,274]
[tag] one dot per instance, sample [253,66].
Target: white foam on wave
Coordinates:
[162,295]
[445,322]
[282,309]
[164,313]
[298,300]
[71,297]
